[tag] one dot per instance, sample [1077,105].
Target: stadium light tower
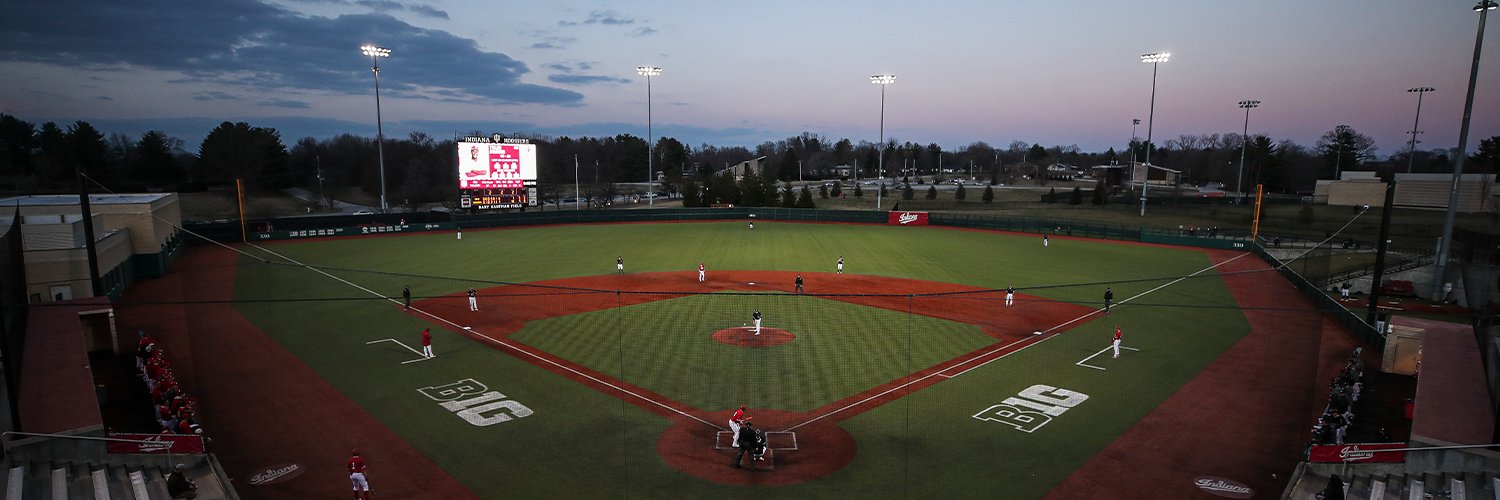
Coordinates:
[1239,179]
[648,72]
[1411,151]
[375,54]
[882,81]
[1440,269]
[1153,59]
[1134,122]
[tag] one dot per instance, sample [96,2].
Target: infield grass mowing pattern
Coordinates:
[840,349]
[582,442]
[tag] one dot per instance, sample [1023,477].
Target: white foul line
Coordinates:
[420,356]
[991,351]
[498,341]
[1101,351]
[1074,320]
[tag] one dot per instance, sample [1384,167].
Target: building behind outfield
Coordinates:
[136,236]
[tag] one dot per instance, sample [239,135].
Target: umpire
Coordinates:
[748,441]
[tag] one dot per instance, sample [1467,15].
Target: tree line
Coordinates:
[420,169]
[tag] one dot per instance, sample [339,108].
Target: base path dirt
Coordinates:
[261,405]
[1275,374]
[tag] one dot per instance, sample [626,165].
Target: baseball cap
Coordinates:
[355,452]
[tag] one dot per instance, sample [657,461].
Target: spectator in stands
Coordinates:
[179,486]
[1335,489]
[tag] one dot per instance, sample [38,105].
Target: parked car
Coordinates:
[364,212]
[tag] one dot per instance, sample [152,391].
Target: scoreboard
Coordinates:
[496,172]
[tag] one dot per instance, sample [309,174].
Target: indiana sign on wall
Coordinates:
[907,218]
[156,443]
[1357,453]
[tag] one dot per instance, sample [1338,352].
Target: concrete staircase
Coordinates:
[68,481]
[1432,486]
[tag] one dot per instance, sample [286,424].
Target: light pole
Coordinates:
[882,81]
[1338,140]
[576,192]
[1444,245]
[1239,179]
[1153,59]
[1134,122]
[648,72]
[1411,151]
[375,54]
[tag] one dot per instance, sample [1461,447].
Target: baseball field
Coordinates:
[906,376]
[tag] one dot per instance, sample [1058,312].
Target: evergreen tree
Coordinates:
[805,200]
[691,197]
[823,191]
[836,189]
[907,194]
[1099,193]
[989,194]
[788,196]
[1077,197]
[1052,195]
[932,192]
[858,193]
[959,194]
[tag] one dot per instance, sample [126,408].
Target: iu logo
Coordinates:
[483,406]
[907,218]
[1033,408]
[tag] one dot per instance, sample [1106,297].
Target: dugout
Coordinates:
[135,235]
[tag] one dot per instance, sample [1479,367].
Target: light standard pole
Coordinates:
[576,191]
[648,72]
[375,54]
[1411,151]
[1338,158]
[1153,59]
[1134,122]
[882,81]
[1444,245]
[1239,191]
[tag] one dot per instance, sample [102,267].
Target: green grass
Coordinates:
[924,445]
[840,349]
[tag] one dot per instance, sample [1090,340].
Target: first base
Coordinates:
[1036,333]
[752,283]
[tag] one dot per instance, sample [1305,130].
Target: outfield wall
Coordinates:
[324,226]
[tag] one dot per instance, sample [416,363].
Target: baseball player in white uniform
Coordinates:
[1117,341]
[756,316]
[473,299]
[620,265]
[1010,295]
[841,264]
[701,272]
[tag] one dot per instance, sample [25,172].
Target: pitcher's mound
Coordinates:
[744,336]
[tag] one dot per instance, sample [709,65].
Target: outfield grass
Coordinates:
[581,442]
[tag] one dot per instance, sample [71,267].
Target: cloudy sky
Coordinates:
[741,73]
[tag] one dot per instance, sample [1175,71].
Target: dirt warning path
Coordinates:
[259,403]
[1245,418]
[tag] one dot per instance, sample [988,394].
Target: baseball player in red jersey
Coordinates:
[357,476]
[701,271]
[1117,341]
[427,342]
[734,425]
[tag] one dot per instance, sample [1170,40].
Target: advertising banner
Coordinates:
[1357,453]
[907,218]
[156,443]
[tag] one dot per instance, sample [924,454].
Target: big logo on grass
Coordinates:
[1223,487]
[484,408]
[276,473]
[1033,407]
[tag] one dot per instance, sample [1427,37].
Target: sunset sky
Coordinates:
[742,73]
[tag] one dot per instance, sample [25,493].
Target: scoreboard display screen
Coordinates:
[496,172]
